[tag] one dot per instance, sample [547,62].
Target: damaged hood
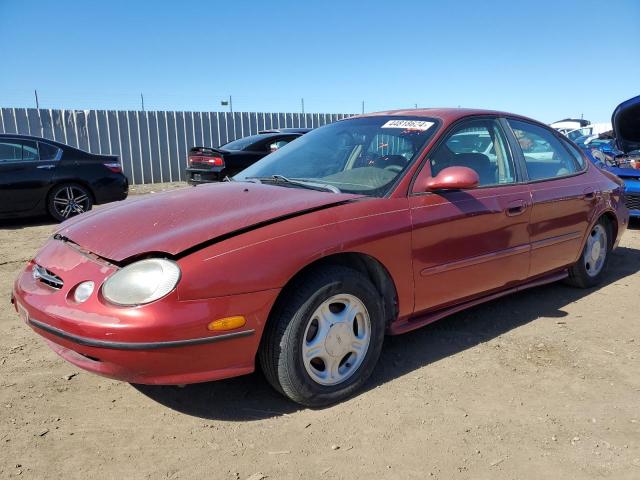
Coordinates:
[174,221]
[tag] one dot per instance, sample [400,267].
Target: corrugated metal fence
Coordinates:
[152,145]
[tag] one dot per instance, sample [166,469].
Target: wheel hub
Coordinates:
[336,339]
[595,251]
[337,343]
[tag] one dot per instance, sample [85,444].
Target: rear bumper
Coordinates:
[111,189]
[196,176]
[163,343]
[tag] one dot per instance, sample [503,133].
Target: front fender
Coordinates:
[267,258]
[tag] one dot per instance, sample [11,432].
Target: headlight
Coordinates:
[141,282]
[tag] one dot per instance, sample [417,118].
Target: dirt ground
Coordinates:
[541,384]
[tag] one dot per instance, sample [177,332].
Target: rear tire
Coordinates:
[324,336]
[590,268]
[67,200]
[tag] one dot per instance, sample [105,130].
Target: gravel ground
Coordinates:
[541,384]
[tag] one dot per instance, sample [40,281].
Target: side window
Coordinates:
[273,146]
[48,152]
[575,153]
[30,151]
[481,146]
[10,151]
[543,153]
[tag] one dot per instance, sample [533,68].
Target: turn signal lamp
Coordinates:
[229,323]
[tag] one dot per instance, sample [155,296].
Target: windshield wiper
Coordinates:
[311,185]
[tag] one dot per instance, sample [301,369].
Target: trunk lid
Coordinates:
[205,158]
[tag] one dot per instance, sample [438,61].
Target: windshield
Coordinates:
[359,155]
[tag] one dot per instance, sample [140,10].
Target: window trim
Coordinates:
[554,133]
[520,178]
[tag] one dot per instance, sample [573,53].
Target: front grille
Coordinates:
[43,275]
[632,201]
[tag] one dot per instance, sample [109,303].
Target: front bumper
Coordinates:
[165,342]
[632,202]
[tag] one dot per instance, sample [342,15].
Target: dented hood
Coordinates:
[174,221]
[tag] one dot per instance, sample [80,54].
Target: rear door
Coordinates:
[471,242]
[25,174]
[562,195]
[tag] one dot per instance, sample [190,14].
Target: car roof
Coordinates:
[37,139]
[300,130]
[264,136]
[447,115]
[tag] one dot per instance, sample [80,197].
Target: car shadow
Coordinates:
[24,222]
[251,398]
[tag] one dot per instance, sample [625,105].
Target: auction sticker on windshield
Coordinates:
[409,124]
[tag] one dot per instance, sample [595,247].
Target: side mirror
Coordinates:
[453,178]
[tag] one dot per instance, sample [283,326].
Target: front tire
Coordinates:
[590,269]
[324,337]
[67,200]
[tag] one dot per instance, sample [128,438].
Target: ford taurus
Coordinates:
[373,225]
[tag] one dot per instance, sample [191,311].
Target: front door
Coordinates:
[468,243]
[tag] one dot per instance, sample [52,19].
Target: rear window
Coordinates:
[243,143]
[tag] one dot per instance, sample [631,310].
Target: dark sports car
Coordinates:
[40,176]
[214,164]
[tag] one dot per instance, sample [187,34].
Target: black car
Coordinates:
[42,176]
[214,164]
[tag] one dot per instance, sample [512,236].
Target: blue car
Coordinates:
[622,155]
[631,178]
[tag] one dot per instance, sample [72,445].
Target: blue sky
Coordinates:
[546,59]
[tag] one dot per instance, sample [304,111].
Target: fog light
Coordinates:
[228,323]
[83,291]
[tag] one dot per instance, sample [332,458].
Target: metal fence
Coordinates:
[152,146]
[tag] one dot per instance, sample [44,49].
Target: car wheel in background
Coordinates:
[67,200]
[324,337]
[589,270]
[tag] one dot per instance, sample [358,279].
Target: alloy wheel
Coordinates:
[71,200]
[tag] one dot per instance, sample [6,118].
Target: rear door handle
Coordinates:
[47,167]
[516,207]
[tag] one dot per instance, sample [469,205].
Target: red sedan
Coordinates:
[373,225]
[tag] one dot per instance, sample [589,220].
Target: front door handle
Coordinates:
[516,207]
